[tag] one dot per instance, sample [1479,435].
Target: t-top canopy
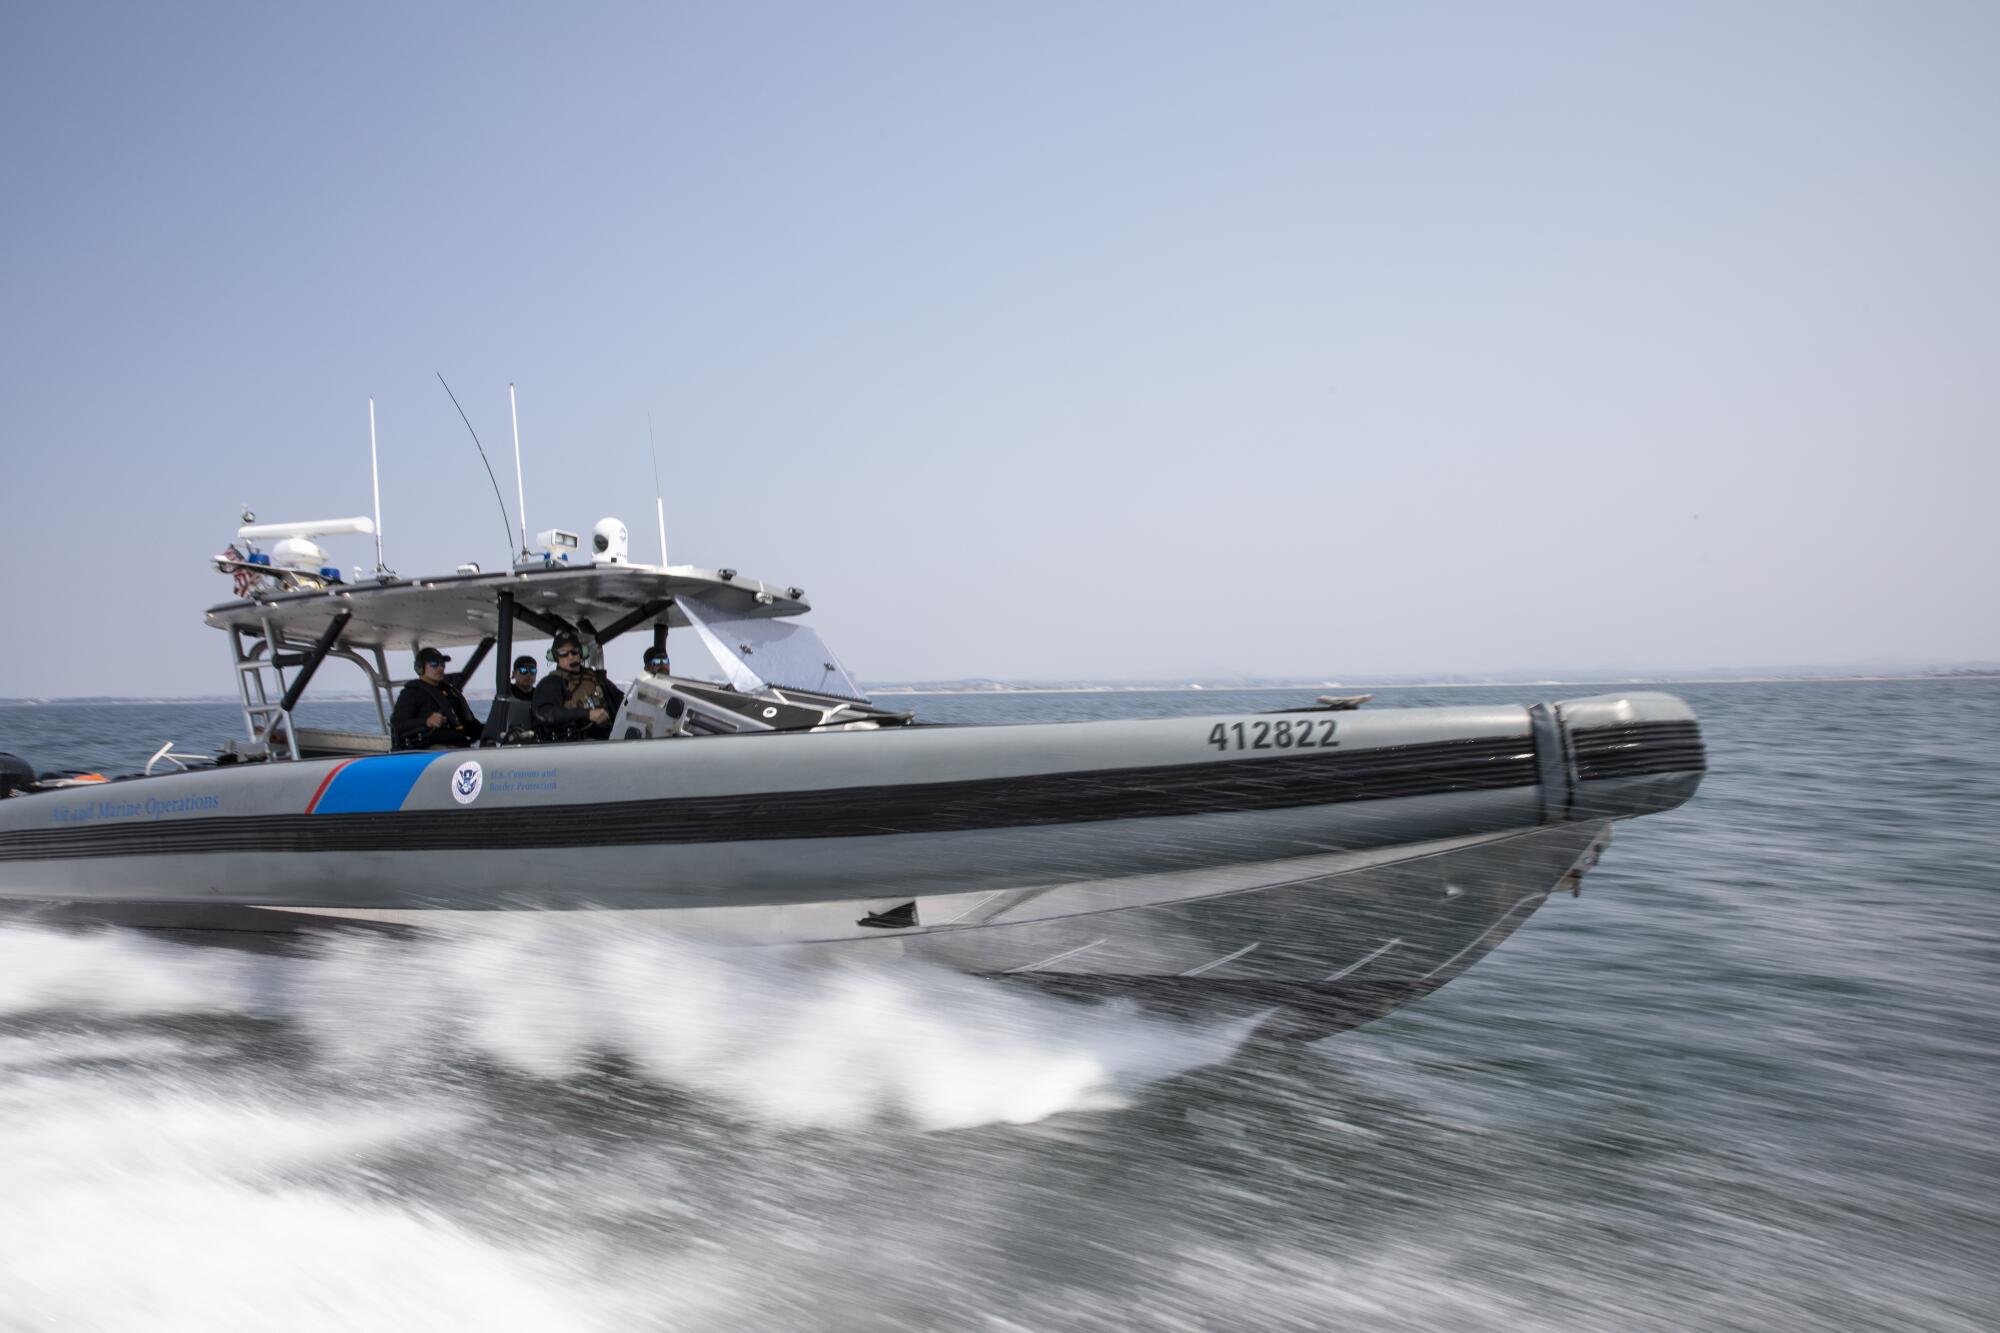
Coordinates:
[403,614]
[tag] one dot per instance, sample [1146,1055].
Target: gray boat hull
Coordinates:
[1331,870]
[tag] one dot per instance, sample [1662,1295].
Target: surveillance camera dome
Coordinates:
[610,542]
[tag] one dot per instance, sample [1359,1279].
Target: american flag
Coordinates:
[245,579]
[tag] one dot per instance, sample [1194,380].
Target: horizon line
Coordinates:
[970,685]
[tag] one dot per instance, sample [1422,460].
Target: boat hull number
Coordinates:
[1285,734]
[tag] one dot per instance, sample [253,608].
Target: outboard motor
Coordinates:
[16,774]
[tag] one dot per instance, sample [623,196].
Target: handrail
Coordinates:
[165,752]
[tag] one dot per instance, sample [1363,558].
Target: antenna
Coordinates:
[520,496]
[375,480]
[505,525]
[659,501]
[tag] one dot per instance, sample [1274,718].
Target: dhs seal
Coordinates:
[466,780]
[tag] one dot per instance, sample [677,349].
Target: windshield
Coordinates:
[757,653]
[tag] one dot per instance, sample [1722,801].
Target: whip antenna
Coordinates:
[506,523]
[520,496]
[375,479]
[659,501]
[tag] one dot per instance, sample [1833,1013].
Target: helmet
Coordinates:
[565,636]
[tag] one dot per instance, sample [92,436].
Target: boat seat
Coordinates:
[510,722]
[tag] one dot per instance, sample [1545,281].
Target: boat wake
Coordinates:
[443,1131]
[781,1036]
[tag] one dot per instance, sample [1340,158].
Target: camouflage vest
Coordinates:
[581,691]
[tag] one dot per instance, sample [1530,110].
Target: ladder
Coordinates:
[260,683]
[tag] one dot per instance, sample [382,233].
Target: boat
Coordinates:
[1307,868]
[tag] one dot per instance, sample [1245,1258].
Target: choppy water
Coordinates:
[1747,1081]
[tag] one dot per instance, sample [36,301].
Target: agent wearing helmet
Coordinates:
[431,712]
[576,702]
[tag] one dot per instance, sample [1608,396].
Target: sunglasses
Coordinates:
[524,671]
[561,653]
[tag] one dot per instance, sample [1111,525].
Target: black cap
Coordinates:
[524,662]
[426,656]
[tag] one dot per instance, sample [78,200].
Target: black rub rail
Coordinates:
[1279,783]
[1637,749]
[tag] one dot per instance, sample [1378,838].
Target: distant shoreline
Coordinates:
[1354,686]
[1357,686]
[1350,687]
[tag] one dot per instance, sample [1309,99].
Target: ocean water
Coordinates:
[1749,1080]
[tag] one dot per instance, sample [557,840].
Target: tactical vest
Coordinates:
[581,690]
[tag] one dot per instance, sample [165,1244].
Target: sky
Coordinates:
[1032,340]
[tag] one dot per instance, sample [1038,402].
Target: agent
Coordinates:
[431,712]
[576,702]
[512,721]
[521,685]
[656,662]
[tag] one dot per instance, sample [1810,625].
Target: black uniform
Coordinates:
[563,702]
[410,723]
